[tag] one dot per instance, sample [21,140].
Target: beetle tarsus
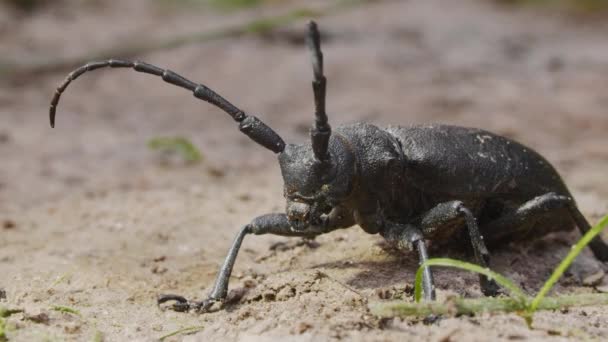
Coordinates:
[184,305]
[204,305]
[427,276]
[181,303]
[488,286]
[431,319]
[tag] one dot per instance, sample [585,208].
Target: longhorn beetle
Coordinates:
[409,184]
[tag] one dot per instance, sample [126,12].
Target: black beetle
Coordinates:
[409,184]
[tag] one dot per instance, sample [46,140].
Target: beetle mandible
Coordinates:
[409,184]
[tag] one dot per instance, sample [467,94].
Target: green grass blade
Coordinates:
[471,306]
[514,290]
[567,261]
[179,145]
[65,309]
[98,337]
[188,330]
[228,5]
[4,312]
[3,337]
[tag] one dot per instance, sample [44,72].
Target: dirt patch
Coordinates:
[92,220]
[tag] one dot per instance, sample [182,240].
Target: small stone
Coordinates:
[594,279]
[516,337]
[42,318]
[280,246]
[244,197]
[409,289]
[159,270]
[4,138]
[303,327]
[9,224]
[339,238]
[249,283]
[603,288]
[236,295]
[160,258]
[244,314]
[383,293]
[269,296]
[72,328]
[286,293]
[216,172]
[555,63]
[449,336]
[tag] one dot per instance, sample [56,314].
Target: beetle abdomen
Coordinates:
[465,163]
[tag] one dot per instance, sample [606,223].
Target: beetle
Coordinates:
[413,184]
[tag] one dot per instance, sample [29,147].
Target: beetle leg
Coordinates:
[409,237]
[276,224]
[482,256]
[597,245]
[449,215]
[427,277]
[522,219]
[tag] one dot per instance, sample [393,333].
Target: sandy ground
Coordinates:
[94,220]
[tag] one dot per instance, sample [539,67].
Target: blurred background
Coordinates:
[533,70]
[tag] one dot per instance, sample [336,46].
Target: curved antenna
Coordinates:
[253,127]
[321,131]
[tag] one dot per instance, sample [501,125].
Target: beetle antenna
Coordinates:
[321,130]
[253,127]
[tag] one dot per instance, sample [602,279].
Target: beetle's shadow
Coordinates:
[527,263]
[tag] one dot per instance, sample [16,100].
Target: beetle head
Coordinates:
[320,175]
[312,187]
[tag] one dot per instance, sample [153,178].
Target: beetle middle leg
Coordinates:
[447,217]
[276,224]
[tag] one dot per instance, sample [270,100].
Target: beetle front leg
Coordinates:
[449,215]
[276,224]
[427,277]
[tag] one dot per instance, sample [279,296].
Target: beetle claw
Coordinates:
[183,305]
[204,305]
[489,287]
[431,319]
[167,297]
